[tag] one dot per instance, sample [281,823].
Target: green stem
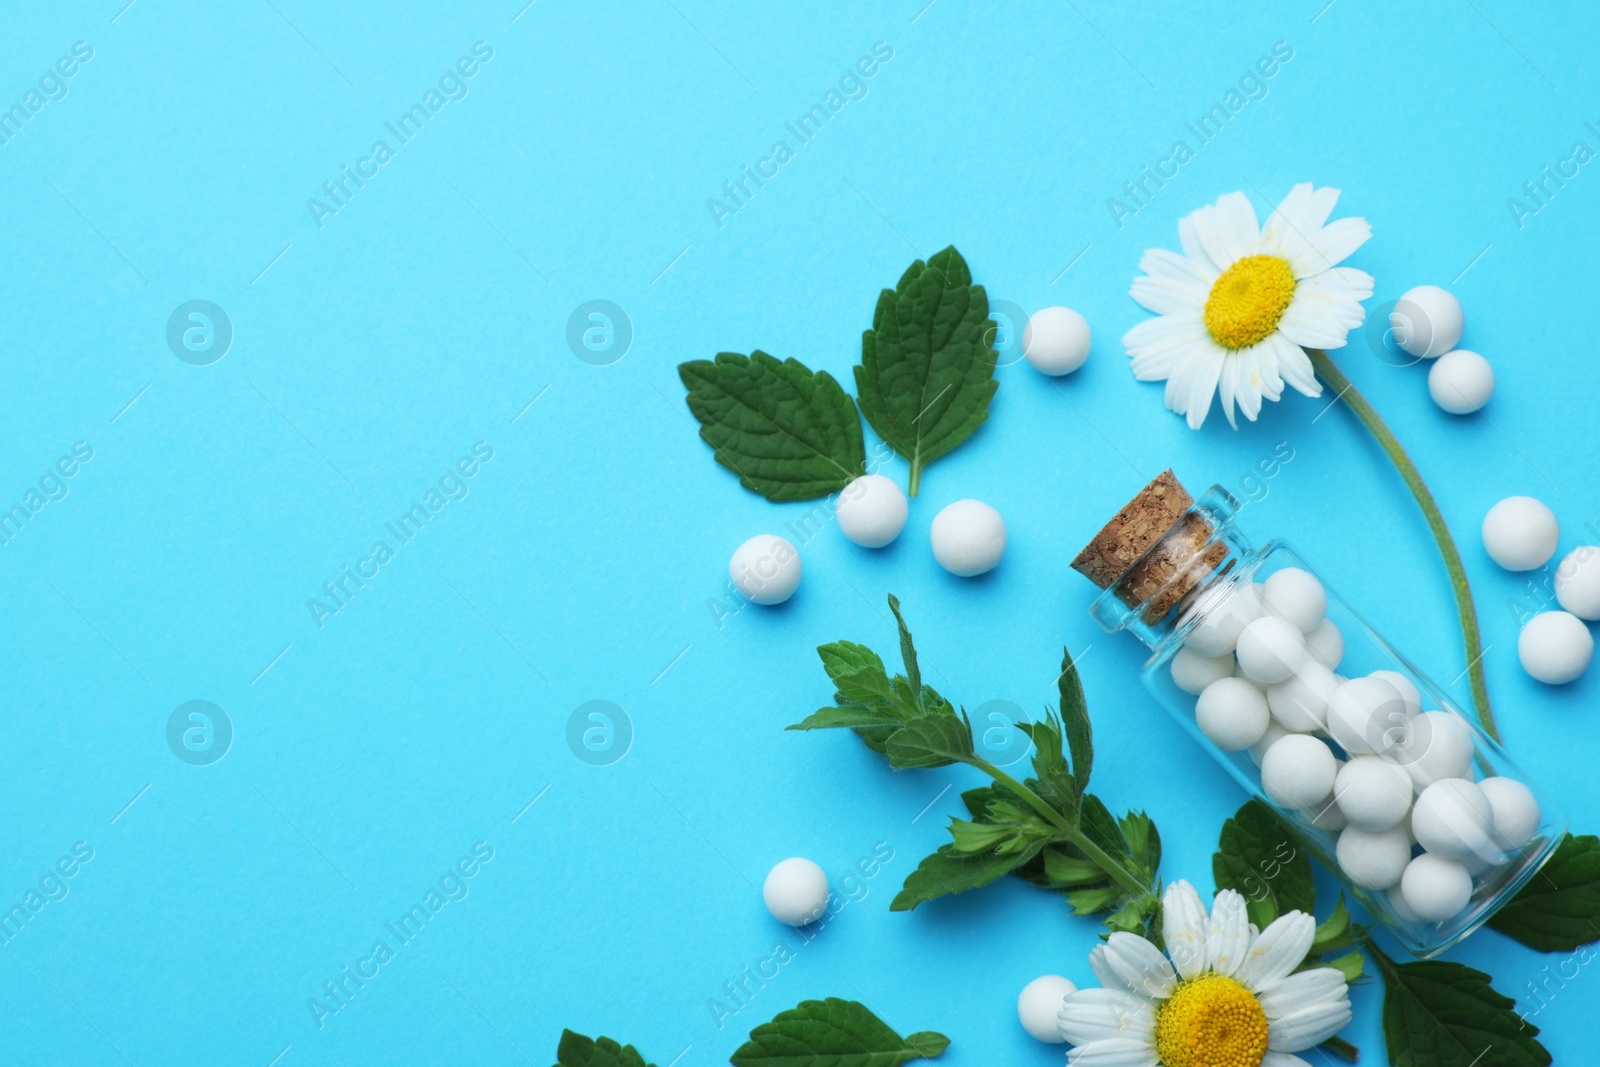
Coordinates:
[1471,639]
[1130,882]
[1342,1048]
[916,476]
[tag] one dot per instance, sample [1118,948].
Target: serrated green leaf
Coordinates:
[1441,1014]
[1065,870]
[1093,901]
[1259,857]
[575,1050]
[927,369]
[1352,965]
[908,652]
[949,871]
[970,837]
[1050,770]
[932,741]
[1144,841]
[1134,916]
[787,432]
[1096,820]
[833,1033]
[1559,908]
[1075,720]
[857,672]
[851,715]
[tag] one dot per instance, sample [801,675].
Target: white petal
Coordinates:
[1158,345]
[1308,1028]
[1229,940]
[1289,229]
[1193,250]
[1279,949]
[1295,366]
[1096,1014]
[1228,230]
[1118,1052]
[1330,246]
[1140,965]
[1184,927]
[1326,308]
[1160,263]
[1228,383]
[1168,296]
[1305,1009]
[1100,964]
[1191,385]
[1283,1059]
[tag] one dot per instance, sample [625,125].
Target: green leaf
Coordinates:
[833,1033]
[1134,916]
[575,1050]
[949,871]
[1065,870]
[857,672]
[908,651]
[1075,718]
[927,370]
[976,836]
[1101,826]
[851,715]
[1093,901]
[1440,1014]
[1259,857]
[1352,965]
[1144,841]
[932,741]
[788,433]
[1056,782]
[1559,909]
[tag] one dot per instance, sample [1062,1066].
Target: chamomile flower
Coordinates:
[1238,307]
[1229,996]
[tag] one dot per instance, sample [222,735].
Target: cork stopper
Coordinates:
[1149,550]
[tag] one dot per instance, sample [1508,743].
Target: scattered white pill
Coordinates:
[1223,611]
[1408,690]
[1452,818]
[796,891]
[1426,321]
[1434,746]
[1193,672]
[1555,647]
[1232,713]
[1326,643]
[1298,771]
[872,510]
[1373,859]
[1055,341]
[1300,703]
[1038,1005]
[969,537]
[1397,904]
[1516,812]
[1373,793]
[1258,750]
[1578,582]
[1271,649]
[1366,716]
[1520,533]
[765,569]
[1435,888]
[1296,595]
[1461,382]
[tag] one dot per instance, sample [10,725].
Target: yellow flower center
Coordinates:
[1247,301]
[1211,1021]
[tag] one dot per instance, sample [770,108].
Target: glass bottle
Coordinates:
[1407,763]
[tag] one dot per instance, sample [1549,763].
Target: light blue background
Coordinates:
[427,314]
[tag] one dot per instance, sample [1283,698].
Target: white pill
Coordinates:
[1452,818]
[1056,341]
[1298,771]
[1555,647]
[969,537]
[1461,382]
[1258,750]
[765,569]
[1038,1005]
[872,510]
[1232,713]
[796,891]
[1408,690]
[1373,793]
[1397,903]
[1271,649]
[1223,612]
[1578,582]
[1326,643]
[1477,864]
[1516,812]
[1193,672]
[1435,888]
[1366,716]
[1426,321]
[1327,816]
[1296,595]
[1300,703]
[1520,533]
[1373,859]
[1434,746]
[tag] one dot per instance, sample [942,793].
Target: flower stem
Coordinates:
[1342,1048]
[1120,874]
[1471,639]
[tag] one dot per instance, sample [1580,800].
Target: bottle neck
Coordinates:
[1193,566]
